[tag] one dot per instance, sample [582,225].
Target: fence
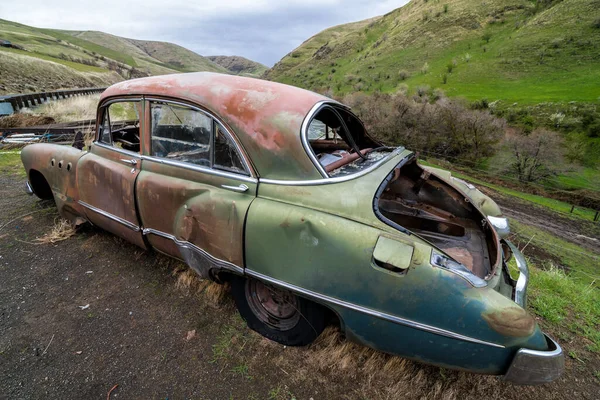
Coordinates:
[13,103]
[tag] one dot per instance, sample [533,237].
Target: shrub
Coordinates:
[596,24]
[443,126]
[467,57]
[403,75]
[486,37]
[444,78]
[535,156]
[445,8]
[450,67]
[425,68]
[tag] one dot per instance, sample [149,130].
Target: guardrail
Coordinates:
[14,102]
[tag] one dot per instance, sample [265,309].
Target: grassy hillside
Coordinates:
[240,65]
[151,54]
[54,59]
[510,50]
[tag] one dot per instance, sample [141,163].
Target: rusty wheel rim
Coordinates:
[275,307]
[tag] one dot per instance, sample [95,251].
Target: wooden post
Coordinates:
[596,216]
[572,208]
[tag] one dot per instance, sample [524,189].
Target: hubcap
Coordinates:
[275,307]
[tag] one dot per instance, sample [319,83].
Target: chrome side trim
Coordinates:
[217,120]
[327,181]
[108,215]
[190,251]
[28,188]
[535,367]
[199,168]
[522,281]
[304,137]
[368,311]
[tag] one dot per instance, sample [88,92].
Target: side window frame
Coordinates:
[249,172]
[103,112]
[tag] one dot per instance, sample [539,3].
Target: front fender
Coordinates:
[58,165]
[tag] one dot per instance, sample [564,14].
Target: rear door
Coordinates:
[106,175]
[195,187]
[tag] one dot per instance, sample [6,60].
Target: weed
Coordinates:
[62,230]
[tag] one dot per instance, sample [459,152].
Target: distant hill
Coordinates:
[240,65]
[512,50]
[47,59]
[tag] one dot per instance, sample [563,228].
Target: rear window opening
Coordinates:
[340,142]
[417,200]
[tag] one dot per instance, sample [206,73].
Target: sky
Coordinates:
[261,30]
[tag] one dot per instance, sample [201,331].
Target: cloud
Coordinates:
[261,30]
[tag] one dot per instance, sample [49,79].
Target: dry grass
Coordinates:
[68,110]
[334,360]
[21,120]
[62,230]
[187,279]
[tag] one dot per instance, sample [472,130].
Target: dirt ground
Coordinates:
[147,331]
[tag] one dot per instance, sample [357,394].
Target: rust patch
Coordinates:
[461,255]
[512,321]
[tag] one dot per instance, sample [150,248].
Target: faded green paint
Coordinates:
[392,252]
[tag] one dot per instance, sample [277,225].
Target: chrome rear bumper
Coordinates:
[535,367]
[521,282]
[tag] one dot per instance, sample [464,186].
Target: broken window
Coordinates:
[180,133]
[121,125]
[340,142]
[185,134]
[226,155]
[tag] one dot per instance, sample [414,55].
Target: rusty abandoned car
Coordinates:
[283,193]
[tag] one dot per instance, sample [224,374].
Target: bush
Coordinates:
[403,75]
[486,37]
[425,68]
[596,24]
[444,126]
[535,156]
[444,78]
[445,8]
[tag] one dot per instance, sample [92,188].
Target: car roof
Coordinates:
[265,116]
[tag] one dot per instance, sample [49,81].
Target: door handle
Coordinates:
[133,161]
[242,188]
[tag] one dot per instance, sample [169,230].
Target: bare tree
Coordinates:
[537,155]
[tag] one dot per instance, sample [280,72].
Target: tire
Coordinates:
[278,314]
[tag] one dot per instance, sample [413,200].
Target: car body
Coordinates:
[283,191]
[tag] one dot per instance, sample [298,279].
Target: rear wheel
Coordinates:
[276,313]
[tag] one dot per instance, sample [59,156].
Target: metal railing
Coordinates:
[15,102]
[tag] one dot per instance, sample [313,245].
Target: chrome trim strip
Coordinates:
[117,149]
[182,243]
[522,281]
[534,367]
[28,188]
[501,225]
[119,100]
[108,215]
[218,120]
[368,311]
[450,265]
[304,137]
[345,178]
[199,168]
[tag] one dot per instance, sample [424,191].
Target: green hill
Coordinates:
[240,65]
[512,50]
[46,59]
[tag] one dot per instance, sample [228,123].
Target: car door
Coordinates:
[195,187]
[106,175]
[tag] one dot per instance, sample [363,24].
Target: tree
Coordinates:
[535,156]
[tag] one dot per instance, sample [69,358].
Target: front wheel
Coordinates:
[276,313]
